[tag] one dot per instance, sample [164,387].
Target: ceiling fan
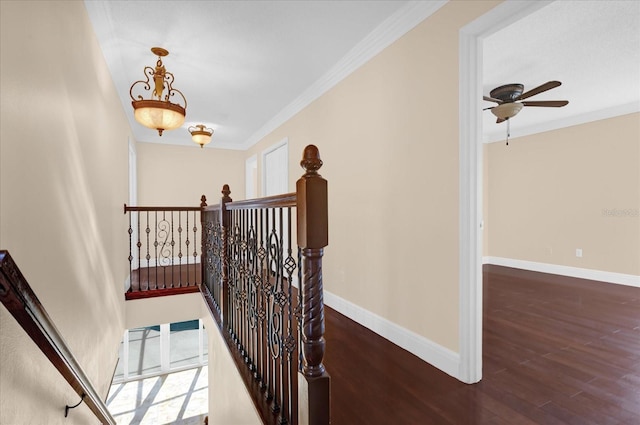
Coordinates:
[510,96]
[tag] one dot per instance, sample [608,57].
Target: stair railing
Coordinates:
[164,257]
[266,294]
[20,300]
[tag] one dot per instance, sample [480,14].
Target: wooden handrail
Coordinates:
[277,201]
[18,297]
[129,208]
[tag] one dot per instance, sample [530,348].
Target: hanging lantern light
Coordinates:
[157,111]
[200,134]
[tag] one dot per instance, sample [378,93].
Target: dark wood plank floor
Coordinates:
[152,278]
[557,350]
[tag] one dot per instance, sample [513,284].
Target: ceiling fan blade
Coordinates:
[544,87]
[546,103]
[491,99]
[491,107]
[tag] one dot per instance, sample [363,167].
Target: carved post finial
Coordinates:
[312,217]
[203,201]
[311,161]
[225,193]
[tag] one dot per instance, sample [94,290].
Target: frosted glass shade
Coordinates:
[201,137]
[158,115]
[506,110]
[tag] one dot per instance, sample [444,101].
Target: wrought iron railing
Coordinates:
[164,250]
[266,293]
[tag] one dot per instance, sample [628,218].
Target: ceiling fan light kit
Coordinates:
[505,111]
[157,112]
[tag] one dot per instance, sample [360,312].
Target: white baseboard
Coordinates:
[443,358]
[599,275]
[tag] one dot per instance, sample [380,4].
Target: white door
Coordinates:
[251,178]
[275,169]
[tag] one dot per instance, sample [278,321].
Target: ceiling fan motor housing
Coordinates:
[507,93]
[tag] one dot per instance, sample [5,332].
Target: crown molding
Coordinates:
[390,30]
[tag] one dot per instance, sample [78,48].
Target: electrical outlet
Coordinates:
[579,252]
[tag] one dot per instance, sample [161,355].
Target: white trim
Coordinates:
[165,344]
[469,273]
[470,177]
[125,355]
[614,111]
[441,357]
[581,273]
[386,33]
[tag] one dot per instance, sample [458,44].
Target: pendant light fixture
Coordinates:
[201,134]
[157,111]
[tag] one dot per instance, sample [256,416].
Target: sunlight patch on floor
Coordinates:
[179,398]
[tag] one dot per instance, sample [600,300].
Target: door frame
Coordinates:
[471,37]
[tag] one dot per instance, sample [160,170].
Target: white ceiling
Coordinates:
[592,47]
[246,66]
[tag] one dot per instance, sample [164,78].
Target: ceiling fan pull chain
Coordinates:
[508,130]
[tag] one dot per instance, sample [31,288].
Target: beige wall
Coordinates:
[229,403]
[180,175]
[388,136]
[63,171]
[577,187]
[159,310]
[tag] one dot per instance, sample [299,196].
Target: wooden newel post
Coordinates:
[225,220]
[312,210]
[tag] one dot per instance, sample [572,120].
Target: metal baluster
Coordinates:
[261,309]
[242,321]
[289,343]
[282,302]
[299,309]
[130,231]
[180,249]
[139,245]
[148,230]
[155,245]
[195,251]
[236,289]
[267,306]
[275,324]
[172,254]
[247,287]
[255,289]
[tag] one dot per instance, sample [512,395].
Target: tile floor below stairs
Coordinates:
[179,398]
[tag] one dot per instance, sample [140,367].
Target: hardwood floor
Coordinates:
[148,282]
[557,350]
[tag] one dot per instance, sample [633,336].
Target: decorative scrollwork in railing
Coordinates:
[162,257]
[162,240]
[251,274]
